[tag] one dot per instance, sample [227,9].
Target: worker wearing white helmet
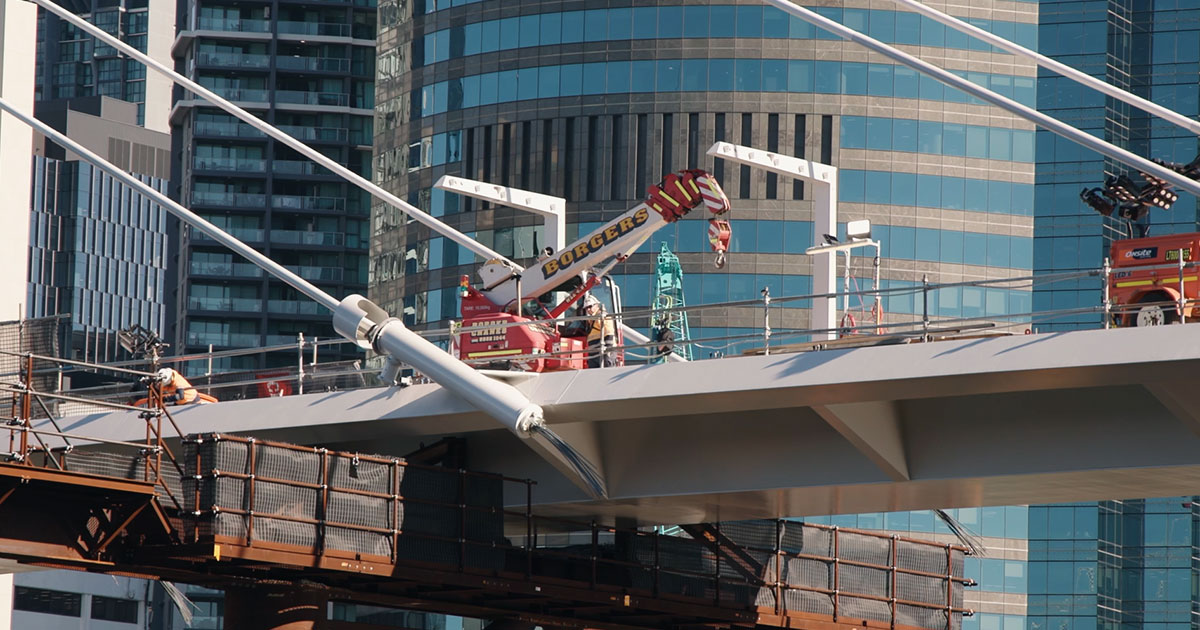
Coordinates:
[176,390]
[601,332]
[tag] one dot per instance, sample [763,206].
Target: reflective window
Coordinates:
[718,21]
[936,191]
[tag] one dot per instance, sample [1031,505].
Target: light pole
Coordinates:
[825,180]
[859,233]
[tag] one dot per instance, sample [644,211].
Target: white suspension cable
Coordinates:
[1046,122]
[1052,65]
[274,132]
[193,219]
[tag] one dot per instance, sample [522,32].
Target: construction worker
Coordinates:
[666,338]
[176,390]
[600,332]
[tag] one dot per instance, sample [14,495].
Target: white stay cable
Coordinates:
[1028,113]
[1054,66]
[191,218]
[252,120]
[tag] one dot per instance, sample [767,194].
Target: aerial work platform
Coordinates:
[238,512]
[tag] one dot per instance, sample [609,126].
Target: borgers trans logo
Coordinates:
[1142,253]
[610,234]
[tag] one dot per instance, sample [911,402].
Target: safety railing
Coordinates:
[777,331]
[283,498]
[46,444]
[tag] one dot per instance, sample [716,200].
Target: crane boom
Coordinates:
[668,201]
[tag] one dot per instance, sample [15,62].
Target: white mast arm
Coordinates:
[1046,122]
[1054,66]
[379,193]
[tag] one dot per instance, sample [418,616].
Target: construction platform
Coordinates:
[232,512]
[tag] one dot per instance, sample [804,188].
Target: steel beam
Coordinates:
[875,429]
[1181,398]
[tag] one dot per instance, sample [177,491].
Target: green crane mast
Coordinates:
[668,294]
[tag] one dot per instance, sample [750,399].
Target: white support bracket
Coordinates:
[875,429]
[554,209]
[825,180]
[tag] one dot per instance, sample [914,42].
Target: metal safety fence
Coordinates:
[771,328]
[242,493]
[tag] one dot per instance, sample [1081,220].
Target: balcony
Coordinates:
[232,340]
[327,29]
[246,305]
[243,61]
[299,237]
[243,94]
[228,199]
[234,25]
[228,270]
[320,134]
[313,64]
[226,129]
[318,274]
[297,97]
[234,165]
[298,167]
[290,307]
[242,234]
[297,202]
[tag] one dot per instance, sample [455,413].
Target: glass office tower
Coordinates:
[97,248]
[70,64]
[594,101]
[999,598]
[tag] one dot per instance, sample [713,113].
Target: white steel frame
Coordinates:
[825,180]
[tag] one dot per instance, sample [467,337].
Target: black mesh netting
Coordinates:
[378,508]
[119,465]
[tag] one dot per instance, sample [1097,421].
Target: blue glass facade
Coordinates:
[98,254]
[1002,577]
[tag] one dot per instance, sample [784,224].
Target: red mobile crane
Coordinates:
[505,324]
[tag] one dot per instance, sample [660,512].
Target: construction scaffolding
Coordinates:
[668,296]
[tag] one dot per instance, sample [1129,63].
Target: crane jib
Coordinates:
[598,241]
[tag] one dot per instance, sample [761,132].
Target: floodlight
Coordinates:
[1132,211]
[1098,201]
[1161,197]
[858,230]
[1122,188]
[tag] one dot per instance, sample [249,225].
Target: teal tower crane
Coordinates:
[668,294]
